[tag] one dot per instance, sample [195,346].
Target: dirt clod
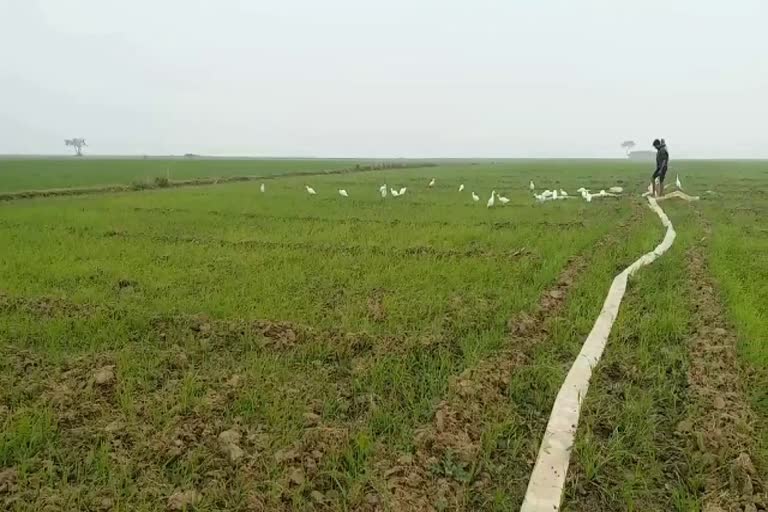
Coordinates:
[104,376]
[184,500]
[296,476]
[229,442]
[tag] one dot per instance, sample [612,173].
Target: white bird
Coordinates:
[582,190]
[554,194]
[546,194]
[563,193]
[310,190]
[602,193]
[616,190]
[461,187]
[677,182]
[503,200]
[402,190]
[531,185]
[588,197]
[343,193]
[393,192]
[262,187]
[383,190]
[432,183]
[491,200]
[475,197]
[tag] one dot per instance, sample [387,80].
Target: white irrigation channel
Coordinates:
[545,488]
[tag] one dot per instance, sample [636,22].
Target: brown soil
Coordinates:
[719,429]
[44,306]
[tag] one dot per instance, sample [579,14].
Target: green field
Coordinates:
[34,174]
[238,350]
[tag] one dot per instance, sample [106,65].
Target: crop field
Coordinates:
[218,348]
[35,174]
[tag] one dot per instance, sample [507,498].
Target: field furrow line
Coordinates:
[719,429]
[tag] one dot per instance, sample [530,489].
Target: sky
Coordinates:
[389,78]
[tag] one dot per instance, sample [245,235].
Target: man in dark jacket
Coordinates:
[662,164]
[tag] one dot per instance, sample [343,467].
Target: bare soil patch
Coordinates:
[719,429]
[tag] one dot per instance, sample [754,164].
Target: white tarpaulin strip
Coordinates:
[545,488]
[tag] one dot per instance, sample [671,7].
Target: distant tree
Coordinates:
[628,145]
[77,144]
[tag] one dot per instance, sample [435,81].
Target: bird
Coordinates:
[343,193]
[402,190]
[262,187]
[461,187]
[554,194]
[475,197]
[503,200]
[616,190]
[582,190]
[383,190]
[546,194]
[531,186]
[602,193]
[677,182]
[393,192]
[491,200]
[310,190]
[563,193]
[432,183]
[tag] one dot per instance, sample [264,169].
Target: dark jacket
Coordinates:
[662,161]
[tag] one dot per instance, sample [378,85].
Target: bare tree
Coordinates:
[77,144]
[628,145]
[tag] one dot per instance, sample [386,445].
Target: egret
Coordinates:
[461,187]
[491,200]
[310,190]
[393,192]
[343,193]
[563,193]
[616,190]
[475,197]
[677,182]
[503,200]
[402,190]
[531,186]
[582,190]
[554,194]
[432,183]
[546,194]
[383,190]
[602,193]
[262,187]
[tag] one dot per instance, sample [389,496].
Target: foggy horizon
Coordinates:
[399,79]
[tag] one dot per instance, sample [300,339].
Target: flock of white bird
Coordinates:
[546,195]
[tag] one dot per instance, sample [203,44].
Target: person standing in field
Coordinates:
[662,164]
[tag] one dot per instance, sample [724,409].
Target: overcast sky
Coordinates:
[386,78]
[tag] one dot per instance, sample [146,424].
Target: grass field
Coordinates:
[34,174]
[219,348]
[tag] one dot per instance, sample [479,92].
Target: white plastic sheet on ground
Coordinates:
[545,488]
